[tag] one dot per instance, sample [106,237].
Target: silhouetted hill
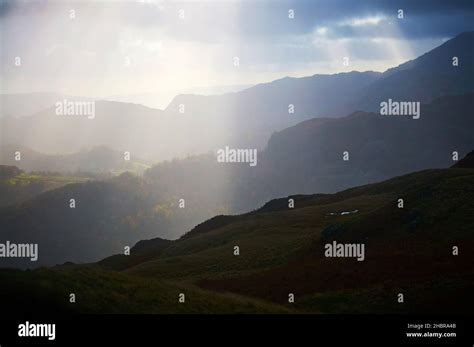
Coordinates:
[309,156]
[466,162]
[142,251]
[425,78]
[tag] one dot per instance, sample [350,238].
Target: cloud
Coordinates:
[172,45]
[363,21]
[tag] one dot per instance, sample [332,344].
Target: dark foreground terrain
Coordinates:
[408,250]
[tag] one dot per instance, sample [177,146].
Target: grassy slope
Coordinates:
[24,186]
[407,251]
[281,251]
[98,290]
[47,181]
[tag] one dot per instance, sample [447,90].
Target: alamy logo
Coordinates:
[400,108]
[345,250]
[37,330]
[75,108]
[19,250]
[230,155]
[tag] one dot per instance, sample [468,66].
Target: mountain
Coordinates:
[160,99]
[308,157]
[266,106]
[425,78]
[119,126]
[302,159]
[408,250]
[146,133]
[257,111]
[195,124]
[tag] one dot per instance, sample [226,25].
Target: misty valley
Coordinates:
[345,192]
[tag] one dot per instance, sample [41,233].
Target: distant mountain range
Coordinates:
[246,118]
[265,106]
[161,99]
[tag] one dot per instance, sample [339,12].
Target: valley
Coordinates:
[282,252]
[133,211]
[171,197]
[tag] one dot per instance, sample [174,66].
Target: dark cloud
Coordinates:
[423,18]
[218,20]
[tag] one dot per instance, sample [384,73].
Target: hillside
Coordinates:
[97,160]
[308,157]
[302,159]
[466,162]
[115,125]
[282,252]
[109,214]
[17,186]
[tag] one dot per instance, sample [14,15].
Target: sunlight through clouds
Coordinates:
[371,20]
[170,47]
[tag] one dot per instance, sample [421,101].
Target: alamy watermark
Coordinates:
[19,250]
[231,155]
[345,250]
[28,329]
[75,108]
[400,108]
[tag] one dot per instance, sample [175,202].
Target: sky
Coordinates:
[131,48]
